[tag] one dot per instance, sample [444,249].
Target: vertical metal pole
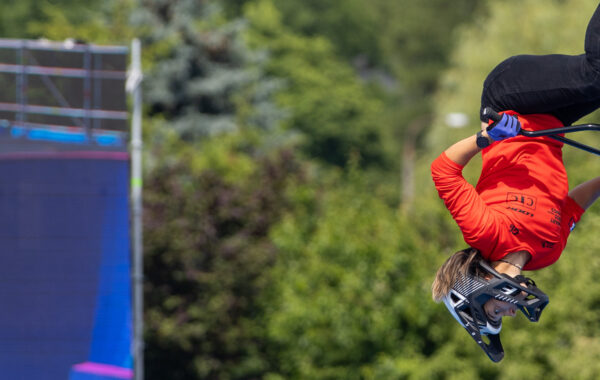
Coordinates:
[87,88]
[133,85]
[97,95]
[21,85]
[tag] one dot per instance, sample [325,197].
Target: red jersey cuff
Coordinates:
[444,157]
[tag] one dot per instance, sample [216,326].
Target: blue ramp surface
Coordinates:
[65,297]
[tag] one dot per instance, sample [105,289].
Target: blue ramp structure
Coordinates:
[65,273]
[66,297]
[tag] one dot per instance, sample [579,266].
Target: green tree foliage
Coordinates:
[206,81]
[207,260]
[418,39]
[202,76]
[16,15]
[336,114]
[94,21]
[351,25]
[402,46]
[331,19]
[350,295]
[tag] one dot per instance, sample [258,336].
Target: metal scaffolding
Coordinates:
[64,86]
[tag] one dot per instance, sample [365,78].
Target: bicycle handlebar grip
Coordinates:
[489,113]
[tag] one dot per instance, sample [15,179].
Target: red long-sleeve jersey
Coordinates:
[520,202]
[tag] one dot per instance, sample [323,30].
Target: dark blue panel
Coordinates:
[64,268]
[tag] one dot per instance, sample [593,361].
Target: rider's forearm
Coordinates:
[586,193]
[462,151]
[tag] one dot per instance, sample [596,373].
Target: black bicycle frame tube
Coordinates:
[567,129]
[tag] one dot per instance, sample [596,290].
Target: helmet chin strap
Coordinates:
[493,349]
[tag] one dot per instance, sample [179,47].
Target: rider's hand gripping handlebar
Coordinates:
[555,133]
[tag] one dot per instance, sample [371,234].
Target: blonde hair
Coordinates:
[460,263]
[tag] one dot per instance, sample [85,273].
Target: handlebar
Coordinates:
[489,113]
[553,132]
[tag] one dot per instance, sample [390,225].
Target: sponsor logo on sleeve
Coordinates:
[548,244]
[556,217]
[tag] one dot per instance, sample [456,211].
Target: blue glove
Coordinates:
[508,126]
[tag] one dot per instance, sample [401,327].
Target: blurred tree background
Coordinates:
[291,227]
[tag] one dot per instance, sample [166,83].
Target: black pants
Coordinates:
[565,86]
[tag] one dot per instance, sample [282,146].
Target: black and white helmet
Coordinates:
[468,295]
